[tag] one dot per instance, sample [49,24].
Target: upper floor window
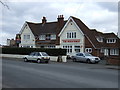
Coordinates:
[111,40]
[88,50]
[99,39]
[53,37]
[42,37]
[26,36]
[71,34]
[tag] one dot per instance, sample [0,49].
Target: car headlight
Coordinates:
[92,59]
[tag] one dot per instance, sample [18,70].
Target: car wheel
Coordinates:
[88,61]
[74,59]
[38,61]
[25,60]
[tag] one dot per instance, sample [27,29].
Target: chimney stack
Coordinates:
[44,20]
[60,20]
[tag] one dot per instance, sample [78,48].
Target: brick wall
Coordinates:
[113,60]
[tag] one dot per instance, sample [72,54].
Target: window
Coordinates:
[71,34]
[99,39]
[32,54]
[48,36]
[51,46]
[81,54]
[106,52]
[42,37]
[111,40]
[77,48]
[114,52]
[37,54]
[88,50]
[69,48]
[53,37]
[26,37]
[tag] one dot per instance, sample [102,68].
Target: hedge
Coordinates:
[26,51]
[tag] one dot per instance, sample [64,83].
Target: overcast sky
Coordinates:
[102,16]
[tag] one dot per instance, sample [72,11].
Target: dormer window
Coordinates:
[42,37]
[100,39]
[111,40]
[53,37]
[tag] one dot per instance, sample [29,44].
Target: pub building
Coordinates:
[71,34]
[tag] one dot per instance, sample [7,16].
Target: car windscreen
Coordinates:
[87,54]
[44,54]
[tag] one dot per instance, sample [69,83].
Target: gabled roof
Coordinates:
[92,34]
[47,28]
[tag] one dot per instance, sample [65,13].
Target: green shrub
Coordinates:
[26,51]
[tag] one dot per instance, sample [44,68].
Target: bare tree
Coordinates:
[5,5]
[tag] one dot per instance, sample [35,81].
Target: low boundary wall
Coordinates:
[52,58]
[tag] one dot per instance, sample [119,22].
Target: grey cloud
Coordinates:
[111,6]
[20,12]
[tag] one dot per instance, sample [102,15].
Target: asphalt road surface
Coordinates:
[19,74]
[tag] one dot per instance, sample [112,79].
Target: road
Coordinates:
[19,74]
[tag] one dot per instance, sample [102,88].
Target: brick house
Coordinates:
[71,34]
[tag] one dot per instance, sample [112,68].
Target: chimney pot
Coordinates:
[44,20]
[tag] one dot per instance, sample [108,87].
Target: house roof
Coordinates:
[48,27]
[92,34]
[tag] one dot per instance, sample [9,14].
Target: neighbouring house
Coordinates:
[11,42]
[71,34]
[14,43]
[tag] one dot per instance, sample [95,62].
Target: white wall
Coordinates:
[27,42]
[79,35]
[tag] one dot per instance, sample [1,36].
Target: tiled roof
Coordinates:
[92,34]
[53,27]
[49,27]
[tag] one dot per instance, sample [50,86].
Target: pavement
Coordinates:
[69,61]
[102,63]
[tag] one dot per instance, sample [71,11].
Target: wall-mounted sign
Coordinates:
[71,40]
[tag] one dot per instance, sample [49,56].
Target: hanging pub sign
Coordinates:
[71,40]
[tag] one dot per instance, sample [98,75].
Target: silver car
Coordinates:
[85,57]
[37,56]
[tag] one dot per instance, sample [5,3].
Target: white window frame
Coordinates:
[88,50]
[77,49]
[71,35]
[99,39]
[26,37]
[51,46]
[68,47]
[111,40]
[53,37]
[114,51]
[42,37]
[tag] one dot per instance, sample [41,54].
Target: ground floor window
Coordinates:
[77,48]
[69,48]
[88,50]
[51,46]
[106,52]
[114,51]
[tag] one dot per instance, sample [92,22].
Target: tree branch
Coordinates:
[5,5]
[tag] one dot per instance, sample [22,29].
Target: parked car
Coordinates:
[37,56]
[85,57]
